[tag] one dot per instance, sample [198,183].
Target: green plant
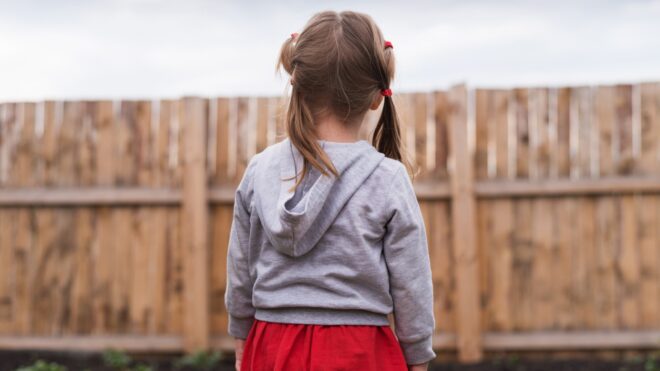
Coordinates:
[636,359]
[650,364]
[116,359]
[513,359]
[43,366]
[201,360]
[500,360]
[141,367]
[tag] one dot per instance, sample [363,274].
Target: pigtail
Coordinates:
[301,133]
[285,60]
[300,120]
[387,134]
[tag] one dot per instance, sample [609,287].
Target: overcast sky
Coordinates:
[112,49]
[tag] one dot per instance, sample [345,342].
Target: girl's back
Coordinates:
[344,245]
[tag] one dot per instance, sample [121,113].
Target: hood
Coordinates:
[295,228]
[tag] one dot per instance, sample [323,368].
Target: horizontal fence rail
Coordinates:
[542,208]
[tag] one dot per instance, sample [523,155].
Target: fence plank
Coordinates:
[441,134]
[6,294]
[522,255]
[281,104]
[481,120]
[542,137]
[605,117]
[262,124]
[649,162]
[464,227]
[141,289]
[584,252]
[158,252]
[405,104]
[584,131]
[221,218]
[542,277]
[484,241]
[521,125]
[605,274]
[649,257]
[502,264]
[175,283]
[624,156]
[81,308]
[195,227]
[502,138]
[443,270]
[563,132]
[222,141]
[629,264]
[569,277]
[420,135]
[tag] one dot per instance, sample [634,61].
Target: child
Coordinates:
[327,237]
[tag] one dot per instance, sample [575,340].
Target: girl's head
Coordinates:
[339,66]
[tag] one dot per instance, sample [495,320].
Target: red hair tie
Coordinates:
[294,35]
[386,92]
[388,44]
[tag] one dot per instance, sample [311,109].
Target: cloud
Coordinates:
[152,48]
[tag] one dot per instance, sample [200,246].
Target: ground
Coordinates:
[11,360]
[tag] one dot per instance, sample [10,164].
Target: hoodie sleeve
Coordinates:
[411,286]
[238,293]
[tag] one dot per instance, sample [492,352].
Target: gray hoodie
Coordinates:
[337,251]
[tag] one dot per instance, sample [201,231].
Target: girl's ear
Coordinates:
[376,103]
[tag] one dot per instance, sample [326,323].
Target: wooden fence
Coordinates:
[542,208]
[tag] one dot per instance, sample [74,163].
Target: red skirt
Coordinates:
[274,346]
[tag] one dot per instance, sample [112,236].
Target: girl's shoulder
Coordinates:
[390,177]
[267,157]
[392,173]
[391,166]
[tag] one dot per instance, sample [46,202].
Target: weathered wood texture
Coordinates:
[107,214]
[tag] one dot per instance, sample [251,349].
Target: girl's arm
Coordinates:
[239,346]
[407,258]
[238,292]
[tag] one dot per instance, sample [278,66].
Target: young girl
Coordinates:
[327,237]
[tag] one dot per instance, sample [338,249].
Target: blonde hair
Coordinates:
[338,65]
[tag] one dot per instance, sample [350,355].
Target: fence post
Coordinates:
[464,229]
[194,224]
